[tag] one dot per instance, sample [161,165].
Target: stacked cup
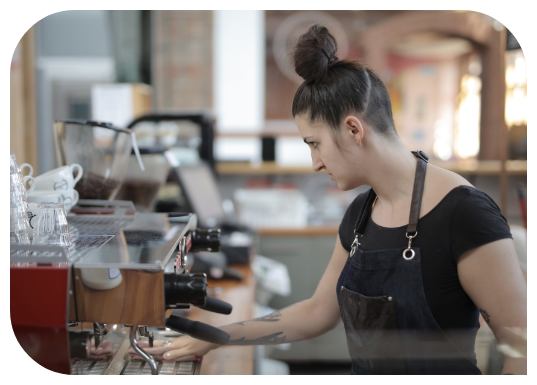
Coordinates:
[57,186]
[19,212]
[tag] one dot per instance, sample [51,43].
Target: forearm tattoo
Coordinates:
[486,316]
[271,339]
[272,317]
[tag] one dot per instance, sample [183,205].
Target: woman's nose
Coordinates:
[316,163]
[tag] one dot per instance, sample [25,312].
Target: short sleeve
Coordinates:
[477,220]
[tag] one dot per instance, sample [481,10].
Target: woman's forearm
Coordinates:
[515,365]
[512,342]
[293,323]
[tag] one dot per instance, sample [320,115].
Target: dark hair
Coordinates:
[333,88]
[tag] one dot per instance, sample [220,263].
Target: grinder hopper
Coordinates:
[101,149]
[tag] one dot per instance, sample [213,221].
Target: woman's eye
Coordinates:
[314,144]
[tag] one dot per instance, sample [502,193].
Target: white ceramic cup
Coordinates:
[19,188]
[59,179]
[23,166]
[68,198]
[40,197]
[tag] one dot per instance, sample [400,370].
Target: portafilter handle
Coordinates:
[216,306]
[198,330]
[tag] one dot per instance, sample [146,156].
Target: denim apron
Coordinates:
[389,326]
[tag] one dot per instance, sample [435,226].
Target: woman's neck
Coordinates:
[391,174]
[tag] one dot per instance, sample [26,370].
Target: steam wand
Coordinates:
[141,352]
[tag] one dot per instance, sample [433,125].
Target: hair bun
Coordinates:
[315,53]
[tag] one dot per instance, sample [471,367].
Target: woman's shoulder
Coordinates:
[441,184]
[445,185]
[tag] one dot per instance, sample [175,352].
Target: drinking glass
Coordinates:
[51,226]
[13,165]
[18,224]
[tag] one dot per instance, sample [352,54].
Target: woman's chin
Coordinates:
[345,186]
[341,186]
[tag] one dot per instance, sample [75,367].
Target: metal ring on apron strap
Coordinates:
[409,247]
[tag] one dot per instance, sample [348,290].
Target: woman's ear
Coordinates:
[354,127]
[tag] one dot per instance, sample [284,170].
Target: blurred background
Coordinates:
[215,88]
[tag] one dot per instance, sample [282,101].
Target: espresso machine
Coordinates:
[119,283]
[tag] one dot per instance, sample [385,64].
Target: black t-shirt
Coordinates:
[464,219]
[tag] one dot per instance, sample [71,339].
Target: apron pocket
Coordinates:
[372,332]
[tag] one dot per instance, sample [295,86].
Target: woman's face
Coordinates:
[325,155]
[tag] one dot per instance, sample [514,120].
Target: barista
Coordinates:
[417,258]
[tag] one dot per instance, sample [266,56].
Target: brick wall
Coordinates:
[182,59]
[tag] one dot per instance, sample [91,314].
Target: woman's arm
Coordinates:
[307,319]
[492,277]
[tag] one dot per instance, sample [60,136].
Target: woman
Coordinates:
[409,291]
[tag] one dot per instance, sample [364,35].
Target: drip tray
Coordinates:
[164,368]
[138,368]
[120,362]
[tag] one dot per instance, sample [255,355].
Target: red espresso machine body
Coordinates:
[39,306]
[121,274]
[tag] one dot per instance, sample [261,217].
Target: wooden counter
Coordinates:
[311,231]
[241,295]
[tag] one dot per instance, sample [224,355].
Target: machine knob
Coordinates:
[205,240]
[185,289]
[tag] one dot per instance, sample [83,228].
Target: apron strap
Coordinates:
[417,194]
[364,214]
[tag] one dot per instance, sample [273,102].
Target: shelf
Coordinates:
[517,167]
[484,167]
[271,128]
[260,168]
[464,167]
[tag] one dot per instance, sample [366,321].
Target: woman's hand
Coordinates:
[186,345]
[183,346]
